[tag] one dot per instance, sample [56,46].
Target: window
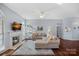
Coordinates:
[1,35]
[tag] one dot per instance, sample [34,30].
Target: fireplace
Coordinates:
[15,40]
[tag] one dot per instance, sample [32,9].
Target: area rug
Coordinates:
[28,49]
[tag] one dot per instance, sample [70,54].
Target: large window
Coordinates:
[1,33]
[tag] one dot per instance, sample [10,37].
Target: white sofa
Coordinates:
[54,43]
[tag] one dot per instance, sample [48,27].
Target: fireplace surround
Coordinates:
[15,40]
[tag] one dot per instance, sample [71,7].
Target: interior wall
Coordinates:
[10,17]
[75,28]
[46,23]
[73,24]
[67,23]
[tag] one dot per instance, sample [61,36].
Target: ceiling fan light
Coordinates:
[41,16]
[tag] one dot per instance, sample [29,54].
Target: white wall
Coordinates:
[46,23]
[71,22]
[75,32]
[67,23]
[10,17]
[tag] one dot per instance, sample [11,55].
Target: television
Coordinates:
[16,26]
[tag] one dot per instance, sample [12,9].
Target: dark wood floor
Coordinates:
[67,48]
[60,52]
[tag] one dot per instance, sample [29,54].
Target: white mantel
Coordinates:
[13,34]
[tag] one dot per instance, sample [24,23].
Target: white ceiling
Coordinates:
[51,10]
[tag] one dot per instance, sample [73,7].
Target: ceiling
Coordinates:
[49,10]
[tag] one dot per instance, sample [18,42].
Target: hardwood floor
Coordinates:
[7,53]
[67,48]
[60,52]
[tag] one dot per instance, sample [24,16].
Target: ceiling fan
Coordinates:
[43,13]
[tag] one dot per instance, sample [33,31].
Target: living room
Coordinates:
[44,29]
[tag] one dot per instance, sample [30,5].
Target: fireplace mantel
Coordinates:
[15,34]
